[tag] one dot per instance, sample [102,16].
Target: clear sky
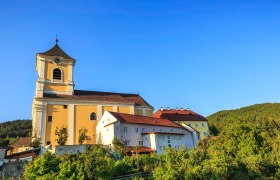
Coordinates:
[205,55]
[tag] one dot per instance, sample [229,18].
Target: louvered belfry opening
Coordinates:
[57,74]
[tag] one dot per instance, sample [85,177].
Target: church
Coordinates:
[57,104]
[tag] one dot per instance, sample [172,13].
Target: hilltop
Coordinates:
[11,130]
[258,115]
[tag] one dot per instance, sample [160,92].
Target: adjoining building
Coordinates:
[22,144]
[187,117]
[148,133]
[58,105]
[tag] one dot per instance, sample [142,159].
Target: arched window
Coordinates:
[93,116]
[57,74]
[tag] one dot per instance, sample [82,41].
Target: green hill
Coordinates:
[11,130]
[249,137]
[258,115]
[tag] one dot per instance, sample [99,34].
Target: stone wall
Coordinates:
[69,149]
[12,169]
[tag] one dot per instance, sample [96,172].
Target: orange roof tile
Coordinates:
[139,149]
[179,115]
[135,119]
[25,141]
[171,133]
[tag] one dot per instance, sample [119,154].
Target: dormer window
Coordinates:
[57,74]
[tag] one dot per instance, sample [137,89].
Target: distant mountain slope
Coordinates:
[17,128]
[257,115]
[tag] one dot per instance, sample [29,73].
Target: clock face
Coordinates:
[57,61]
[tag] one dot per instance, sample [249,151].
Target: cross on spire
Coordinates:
[56,40]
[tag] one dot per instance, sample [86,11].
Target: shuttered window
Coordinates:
[57,74]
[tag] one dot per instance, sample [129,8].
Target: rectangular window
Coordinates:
[168,141]
[124,129]
[136,129]
[65,106]
[126,143]
[140,143]
[49,118]
[143,129]
[203,124]
[196,124]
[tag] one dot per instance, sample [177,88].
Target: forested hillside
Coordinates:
[259,115]
[11,130]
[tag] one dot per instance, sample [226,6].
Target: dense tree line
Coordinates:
[12,130]
[258,115]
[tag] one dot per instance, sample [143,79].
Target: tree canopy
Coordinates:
[10,131]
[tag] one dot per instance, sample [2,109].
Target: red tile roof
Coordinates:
[101,96]
[171,133]
[22,142]
[56,51]
[139,149]
[135,119]
[179,115]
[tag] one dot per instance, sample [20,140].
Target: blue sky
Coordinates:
[205,55]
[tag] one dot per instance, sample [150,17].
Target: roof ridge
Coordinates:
[150,117]
[108,92]
[138,115]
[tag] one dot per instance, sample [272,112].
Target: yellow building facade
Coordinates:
[58,105]
[188,117]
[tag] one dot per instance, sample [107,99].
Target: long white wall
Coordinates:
[157,137]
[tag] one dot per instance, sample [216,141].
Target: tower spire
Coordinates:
[56,40]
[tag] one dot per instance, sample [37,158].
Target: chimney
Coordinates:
[188,109]
[168,108]
[161,108]
[182,109]
[177,108]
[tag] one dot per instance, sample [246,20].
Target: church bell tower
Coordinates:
[55,76]
[55,72]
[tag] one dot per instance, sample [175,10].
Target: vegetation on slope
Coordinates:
[10,131]
[259,116]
